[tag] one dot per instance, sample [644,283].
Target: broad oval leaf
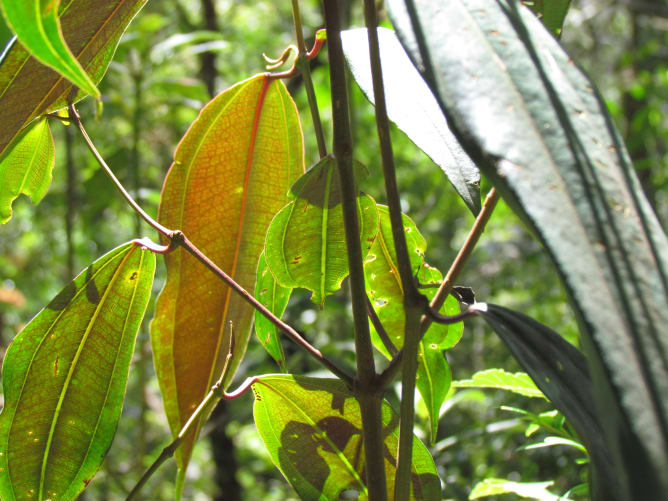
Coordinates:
[231,173]
[313,431]
[306,242]
[37,27]
[539,129]
[560,371]
[29,89]
[275,297]
[413,107]
[499,379]
[26,167]
[64,378]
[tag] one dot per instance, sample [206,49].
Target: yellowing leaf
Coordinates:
[306,242]
[26,167]
[231,173]
[313,431]
[64,378]
[29,89]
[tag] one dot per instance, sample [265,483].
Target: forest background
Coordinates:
[173,58]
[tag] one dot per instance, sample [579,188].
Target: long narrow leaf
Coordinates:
[231,174]
[537,127]
[64,378]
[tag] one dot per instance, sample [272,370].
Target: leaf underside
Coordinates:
[29,89]
[26,167]
[313,431]
[64,378]
[568,161]
[231,173]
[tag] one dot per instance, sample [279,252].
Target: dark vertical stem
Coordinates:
[208,59]
[413,301]
[71,201]
[305,69]
[367,394]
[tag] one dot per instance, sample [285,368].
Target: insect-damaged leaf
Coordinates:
[275,297]
[306,242]
[313,431]
[386,294]
[29,89]
[26,167]
[64,378]
[540,131]
[231,173]
[413,107]
[37,27]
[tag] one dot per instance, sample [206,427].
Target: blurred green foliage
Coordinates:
[154,90]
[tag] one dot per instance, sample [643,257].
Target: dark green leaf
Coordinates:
[275,297]
[551,12]
[536,126]
[313,431]
[412,106]
[64,378]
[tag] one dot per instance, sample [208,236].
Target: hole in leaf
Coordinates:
[381,302]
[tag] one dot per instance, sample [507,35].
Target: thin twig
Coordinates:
[177,238]
[458,264]
[216,392]
[368,396]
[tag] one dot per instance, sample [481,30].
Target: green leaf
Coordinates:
[433,382]
[551,12]
[541,132]
[518,382]
[26,167]
[64,378]
[37,27]
[275,297]
[313,431]
[551,442]
[29,89]
[413,107]
[496,486]
[561,373]
[306,242]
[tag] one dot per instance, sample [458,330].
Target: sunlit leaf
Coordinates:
[64,378]
[29,89]
[413,107]
[306,242]
[551,442]
[231,173]
[496,486]
[313,431]
[37,26]
[433,381]
[275,297]
[26,167]
[499,379]
[540,131]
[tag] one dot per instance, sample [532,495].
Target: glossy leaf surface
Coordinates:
[29,89]
[313,431]
[499,379]
[561,373]
[413,107]
[231,173]
[26,167]
[275,297]
[37,27]
[540,131]
[64,378]
[306,242]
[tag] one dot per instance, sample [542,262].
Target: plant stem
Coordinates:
[177,238]
[367,394]
[305,68]
[412,298]
[458,264]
